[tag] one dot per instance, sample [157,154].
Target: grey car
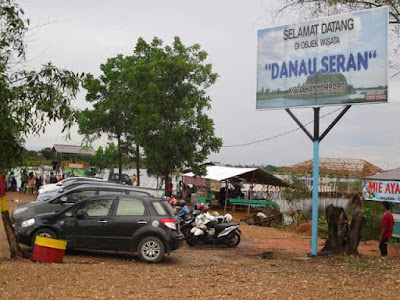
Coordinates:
[74,195]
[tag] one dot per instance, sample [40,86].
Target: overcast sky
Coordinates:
[80,35]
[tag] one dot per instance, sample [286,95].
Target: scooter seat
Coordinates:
[225,225]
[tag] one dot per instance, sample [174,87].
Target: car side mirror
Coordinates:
[80,214]
[63,199]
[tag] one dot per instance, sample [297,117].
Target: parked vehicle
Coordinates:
[136,223]
[72,196]
[51,193]
[125,179]
[186,224]
[214,230]
[65,182]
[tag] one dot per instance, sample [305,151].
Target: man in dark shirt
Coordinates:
[386,228]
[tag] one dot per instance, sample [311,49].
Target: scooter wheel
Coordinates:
[234,240]
[191,241]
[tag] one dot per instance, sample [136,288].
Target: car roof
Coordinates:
[125,197]
[70,180]
[109,185]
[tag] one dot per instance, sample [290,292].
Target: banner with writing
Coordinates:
[381,190]
[341,59]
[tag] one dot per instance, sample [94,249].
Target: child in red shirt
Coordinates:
[386,228]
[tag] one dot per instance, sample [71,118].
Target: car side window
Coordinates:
[130,208]
[98,208]
[76,196]
[159,208]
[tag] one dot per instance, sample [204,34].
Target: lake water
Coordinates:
[306,205]
[287,102]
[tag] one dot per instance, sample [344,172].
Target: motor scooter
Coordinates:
[214,230]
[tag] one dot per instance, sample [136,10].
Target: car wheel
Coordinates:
[43,233]
[151,249]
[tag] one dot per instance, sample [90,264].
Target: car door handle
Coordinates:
[102,221]
[142,222]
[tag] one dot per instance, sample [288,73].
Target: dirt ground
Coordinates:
[204,272]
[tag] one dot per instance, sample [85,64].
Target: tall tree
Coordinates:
[171,83]
[113,111]
[30,100]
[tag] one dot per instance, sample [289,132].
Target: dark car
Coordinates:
[110,222]
[70,197]
[125,179]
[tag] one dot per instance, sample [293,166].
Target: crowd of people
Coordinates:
[30,181]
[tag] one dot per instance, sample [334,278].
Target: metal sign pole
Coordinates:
[314,234]
[316,139]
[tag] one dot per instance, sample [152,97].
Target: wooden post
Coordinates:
[15,250]
[226,194]
[251,194]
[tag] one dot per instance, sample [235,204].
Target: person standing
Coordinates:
[24,180]
[386,228]
[39,183]
[53,179]
[46,179]
[170,187]
[62,177]
[31,182]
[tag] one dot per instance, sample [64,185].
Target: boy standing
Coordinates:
[386,228]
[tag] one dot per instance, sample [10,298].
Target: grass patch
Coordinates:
[358,263]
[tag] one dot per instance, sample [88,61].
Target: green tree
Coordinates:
[47,153]
[30,100]
[114,110]
[171,83]
[105,159]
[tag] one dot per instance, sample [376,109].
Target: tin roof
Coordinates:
[72,149]
[388,175]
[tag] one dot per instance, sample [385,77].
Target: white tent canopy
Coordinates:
[254,175]
[221,173]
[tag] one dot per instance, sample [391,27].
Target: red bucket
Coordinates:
[48,250]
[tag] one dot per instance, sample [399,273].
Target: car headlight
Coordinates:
[20,210]
[28,222]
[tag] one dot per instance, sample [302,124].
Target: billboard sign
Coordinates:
[381,190]
[336,60]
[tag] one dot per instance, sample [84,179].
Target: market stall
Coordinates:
[226,182]
[385,187]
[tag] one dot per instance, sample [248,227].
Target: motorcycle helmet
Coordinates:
[228,217]
[181,203]
[198,206]
[172,201]
[204,208]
